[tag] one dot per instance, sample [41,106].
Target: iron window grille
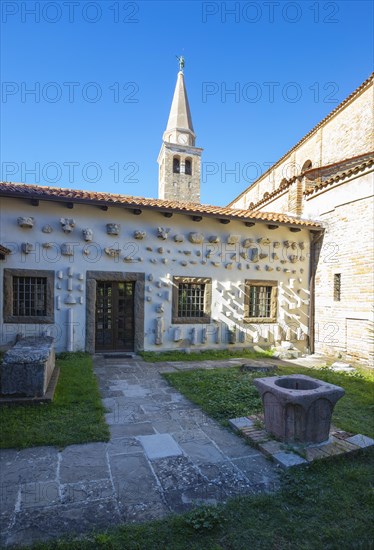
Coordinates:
[261,301]
[28,296]
[191,300]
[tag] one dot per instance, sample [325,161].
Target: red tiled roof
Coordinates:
[77,195]
[341,175]
[311,132]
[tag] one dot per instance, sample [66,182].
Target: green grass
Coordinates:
[205,355]
[76,414]
[228,393]
[328,504]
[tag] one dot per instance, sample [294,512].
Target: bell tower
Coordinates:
[179,160]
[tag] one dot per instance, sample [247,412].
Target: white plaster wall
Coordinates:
[160,266]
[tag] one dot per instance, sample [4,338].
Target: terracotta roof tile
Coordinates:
[77,195]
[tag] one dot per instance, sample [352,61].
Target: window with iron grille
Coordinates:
[28,296]
[337,286]
[261,301]
[191,300]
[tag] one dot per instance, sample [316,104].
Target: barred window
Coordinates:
[261,301]
[191,300]
[30,296]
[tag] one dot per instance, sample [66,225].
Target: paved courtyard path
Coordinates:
[164,456]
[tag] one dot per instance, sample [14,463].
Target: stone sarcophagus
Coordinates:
[298,408]
[27,367]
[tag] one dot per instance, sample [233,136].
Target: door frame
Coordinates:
[114,276]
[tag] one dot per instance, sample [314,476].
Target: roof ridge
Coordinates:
[332,113]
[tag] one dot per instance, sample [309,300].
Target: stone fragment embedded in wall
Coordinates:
[300,334]
[275,256]
[247,243]
[184,263]
[149,248]
[240,266]
[47,228]
[193,262]
[58,302]
[160,250]
[187,252]
[159,331]
[160,308]
[87,234]
[263,241]
[153,261]
[278,268]
[178,238]
[283,261]
[149,299]
[112,252]
[27,248]
[113,228]
[150,277]
[198,253]
[254,255]
[163,233]
[47,245]
[196,238]
[165,260]
[26,222]
[276,244]
[293,258]
[294,245]
[140,235]
[302,258]
[229,265]
[86,251]
[70,300]
[302,245]
[258,268]
[232,336]
[67,224]
[233,239]
[262,256]
[177,334]
[214,239]
[59,275]
[216,264]
[287,244]
[194,336]
[67,249]
[243,255]
[158,284]
[269,268]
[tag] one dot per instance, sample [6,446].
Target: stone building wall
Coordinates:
[154,262]
[347,133]
[346,211]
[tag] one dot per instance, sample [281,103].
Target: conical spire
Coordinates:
[180,119]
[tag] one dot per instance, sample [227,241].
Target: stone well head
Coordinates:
[298,408]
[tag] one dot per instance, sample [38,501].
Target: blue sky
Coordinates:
[103,75]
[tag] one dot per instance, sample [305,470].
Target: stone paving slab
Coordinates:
[165,455]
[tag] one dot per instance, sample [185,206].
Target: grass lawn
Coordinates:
[76,414]
[328,504]
[205,355]
[228,393]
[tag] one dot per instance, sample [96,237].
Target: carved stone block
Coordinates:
[113,228]
[26,222]
[67,224]
[163,233]
[67,249]
[196,238]
[140,235]
[87,234]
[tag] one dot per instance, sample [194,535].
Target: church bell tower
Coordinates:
[179,160]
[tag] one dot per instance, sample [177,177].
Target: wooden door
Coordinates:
[114,329]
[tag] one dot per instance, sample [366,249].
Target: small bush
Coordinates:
[205,518]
